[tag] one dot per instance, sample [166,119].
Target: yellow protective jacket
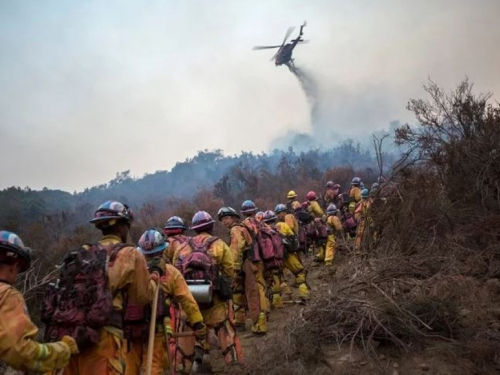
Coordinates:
[174,286]
[284,229]
[292,222]
[329,196]
[129,273]
[241,241]
[175,242]
[315,209]
[334,223]
[18,347]
[295,204]
[362,209]
[355,193]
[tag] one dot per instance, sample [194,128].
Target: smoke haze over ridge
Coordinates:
[152,85]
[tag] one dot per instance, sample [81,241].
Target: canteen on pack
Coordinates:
[201,290]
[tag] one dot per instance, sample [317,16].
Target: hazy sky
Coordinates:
[89,88]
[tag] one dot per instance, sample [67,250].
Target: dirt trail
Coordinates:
[342,359]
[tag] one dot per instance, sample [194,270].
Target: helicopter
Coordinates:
[284,53]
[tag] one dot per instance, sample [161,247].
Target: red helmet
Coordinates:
[311,196]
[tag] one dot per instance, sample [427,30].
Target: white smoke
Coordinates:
[310,88]
[319,137]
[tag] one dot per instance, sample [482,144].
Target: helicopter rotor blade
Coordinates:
[275,55]
[287,35]
[256,48]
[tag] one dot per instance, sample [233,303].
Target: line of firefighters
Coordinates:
[205,288]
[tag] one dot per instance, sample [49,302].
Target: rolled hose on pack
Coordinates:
[201,290]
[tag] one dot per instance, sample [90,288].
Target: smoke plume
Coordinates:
[321,134]
[310,88]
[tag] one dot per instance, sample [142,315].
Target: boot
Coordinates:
[285,289]
[304,292]
[277,302]
[260,328]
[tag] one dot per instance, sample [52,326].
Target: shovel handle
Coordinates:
[152,329]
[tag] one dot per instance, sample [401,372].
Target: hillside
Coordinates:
[420,295]
[204,171]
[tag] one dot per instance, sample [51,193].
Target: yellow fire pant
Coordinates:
[320,252]
[184,346]
[294,264]
[135,353]
[249,293]
[359,236]
[273,278]
[218,318]
[331,244]
[104,358]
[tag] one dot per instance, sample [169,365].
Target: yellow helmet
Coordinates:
[291,194]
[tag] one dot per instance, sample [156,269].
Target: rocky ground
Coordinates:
[344,358]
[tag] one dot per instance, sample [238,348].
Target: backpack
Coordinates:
[311,231]
[198,266]
[321,230]
[136,317]
[304,217]
[134,322]
[349,222]
[291,243]
[270,244]
[81,303]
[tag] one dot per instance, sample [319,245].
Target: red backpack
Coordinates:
[349,222]
[321,230]
[81,303]
[199,266]
[271,248]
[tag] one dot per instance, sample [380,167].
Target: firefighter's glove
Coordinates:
[70,341]
[167,325]
[167,308]
[156,265]
[200,331]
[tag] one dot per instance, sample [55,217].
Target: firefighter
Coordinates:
[272,276]
[334,229]
[319,217]
[329,195]
[354,194]
[362,216]
[249,289]
[128,278]
[292,204]
[18,346]
[173,287]
[292,260]
[313,206]
[287,217]
[216,313]
[249,210]
[174,230]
